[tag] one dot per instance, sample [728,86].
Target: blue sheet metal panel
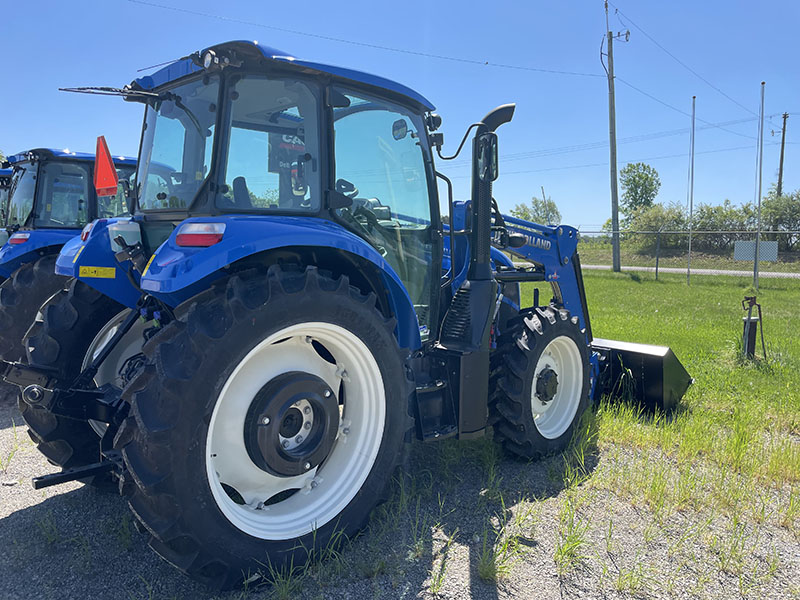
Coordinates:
[176,273]
[97,258]
[13,256]
[185,66]
[6,172]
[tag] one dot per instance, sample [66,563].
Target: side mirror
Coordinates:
[106,179]
[487,157]
[399,129]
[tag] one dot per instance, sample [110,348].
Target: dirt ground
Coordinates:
[467,515]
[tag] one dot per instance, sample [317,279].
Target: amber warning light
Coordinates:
[105,173]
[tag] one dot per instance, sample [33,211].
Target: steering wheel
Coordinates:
[346,188]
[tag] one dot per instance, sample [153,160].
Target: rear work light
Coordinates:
[200,235]
[86,231]
[19,238]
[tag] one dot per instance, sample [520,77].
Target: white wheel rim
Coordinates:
[554,417]
[109,370]
[324,491]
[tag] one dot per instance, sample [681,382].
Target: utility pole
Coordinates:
[691,192]
[760,160]
[612,143]
[783,143]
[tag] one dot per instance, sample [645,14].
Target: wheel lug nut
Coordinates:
[285,443]
[307,426]
[314,484]
[298,439]
[346,430]
[265,421]
[307,466]
[327,393]
[307,410]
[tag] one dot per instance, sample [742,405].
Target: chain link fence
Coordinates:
[712,252]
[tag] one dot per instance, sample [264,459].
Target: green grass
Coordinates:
[732,445]
[599,253]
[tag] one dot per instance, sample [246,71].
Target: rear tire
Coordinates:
[541,384]
[217,507]
[21,295]
[59,342]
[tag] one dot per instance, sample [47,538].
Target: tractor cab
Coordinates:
[51,198]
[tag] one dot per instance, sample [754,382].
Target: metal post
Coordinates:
[612,143]
[758,186]
[691,192]
[658,249]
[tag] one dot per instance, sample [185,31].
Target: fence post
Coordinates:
[658,248]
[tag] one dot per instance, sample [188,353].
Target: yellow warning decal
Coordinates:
[147,267]
[98,272]
[77,254]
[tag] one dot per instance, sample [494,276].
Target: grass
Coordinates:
[595,252]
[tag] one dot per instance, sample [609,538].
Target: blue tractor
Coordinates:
[51,198]
[250,351]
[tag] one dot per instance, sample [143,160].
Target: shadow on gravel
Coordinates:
[440,533]
[9,414]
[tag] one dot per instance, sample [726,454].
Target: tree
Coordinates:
[640,184]
[782,213]
[540,210]
[659,218]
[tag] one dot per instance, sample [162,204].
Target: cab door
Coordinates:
[382,164]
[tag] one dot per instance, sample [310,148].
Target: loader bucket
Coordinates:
[652,375]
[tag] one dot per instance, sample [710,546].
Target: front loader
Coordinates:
[286,310]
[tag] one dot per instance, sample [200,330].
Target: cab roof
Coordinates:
[186,66]
[51,153]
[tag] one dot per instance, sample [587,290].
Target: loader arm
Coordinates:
[554,252]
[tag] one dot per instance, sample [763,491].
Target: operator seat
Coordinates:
[241,195]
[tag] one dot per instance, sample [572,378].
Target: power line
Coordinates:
[329,38]
[605,164]
[683,64]
[676,109]
[604,143]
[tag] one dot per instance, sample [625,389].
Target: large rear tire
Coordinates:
[542,383]
[60,342]
[21,295]
[268,420]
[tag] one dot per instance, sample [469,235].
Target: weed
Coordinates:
[48,528]
[437,573]
[571,537]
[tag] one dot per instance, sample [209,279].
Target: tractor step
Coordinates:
[650,375]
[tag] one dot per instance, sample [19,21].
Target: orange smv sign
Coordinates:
[105,173]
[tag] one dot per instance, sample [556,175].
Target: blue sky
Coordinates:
[556,138]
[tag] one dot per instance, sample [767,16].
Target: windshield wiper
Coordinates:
[126,92]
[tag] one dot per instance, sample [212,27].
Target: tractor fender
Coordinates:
[40,242]
[176,273]
[92,261]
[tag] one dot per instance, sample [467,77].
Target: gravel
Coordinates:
[71,541]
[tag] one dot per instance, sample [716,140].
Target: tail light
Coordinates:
[86,231]
[19,238]
[200,235]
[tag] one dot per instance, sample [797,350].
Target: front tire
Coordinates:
[542,384]
[269,419]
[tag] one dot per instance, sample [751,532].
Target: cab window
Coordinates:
[272,154]
[63,197]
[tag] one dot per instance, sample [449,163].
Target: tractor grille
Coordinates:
[457,324]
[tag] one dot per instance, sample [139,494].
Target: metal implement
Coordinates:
[752,323]
[649,375]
